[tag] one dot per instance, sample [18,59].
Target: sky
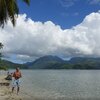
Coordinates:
[65,28]
[66,13]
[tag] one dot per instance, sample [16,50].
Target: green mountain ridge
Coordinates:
[4,64]
[54,62]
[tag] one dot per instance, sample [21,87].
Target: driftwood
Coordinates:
[4,84]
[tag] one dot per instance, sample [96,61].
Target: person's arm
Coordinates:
[20,74]
[13,74]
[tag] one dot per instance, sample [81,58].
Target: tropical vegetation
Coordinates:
[9,10]
[1,46]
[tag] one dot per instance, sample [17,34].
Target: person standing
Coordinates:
[16,80]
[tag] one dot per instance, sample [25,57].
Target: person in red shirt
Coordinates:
[16,81]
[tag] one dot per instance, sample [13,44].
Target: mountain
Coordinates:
[46,62]
[85,63]
[83,59]
[4,64]
[54,62]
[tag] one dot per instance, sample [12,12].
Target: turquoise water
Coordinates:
[62,84]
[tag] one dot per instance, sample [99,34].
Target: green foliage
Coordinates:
[3,68]
[1,46]
[67,66]
[27,1]
[9,10]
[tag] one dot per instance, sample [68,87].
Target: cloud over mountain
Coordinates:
[30,40]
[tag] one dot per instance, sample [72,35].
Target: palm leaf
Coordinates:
[27,1]
[8,10]
[11,10]
[3,12]
[1,45]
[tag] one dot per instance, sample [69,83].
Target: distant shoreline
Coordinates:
[55,62]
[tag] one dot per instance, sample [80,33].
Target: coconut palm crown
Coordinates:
[9,10]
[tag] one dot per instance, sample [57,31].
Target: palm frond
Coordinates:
[1,45]
[11,10]
[3,12]
[8,10]
[27,1]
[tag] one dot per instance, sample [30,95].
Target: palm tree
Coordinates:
[9,10]
[1,46]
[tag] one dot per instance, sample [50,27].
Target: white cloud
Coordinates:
[71,14]
[30,40]
[67,3]
[93,2]
[76,14]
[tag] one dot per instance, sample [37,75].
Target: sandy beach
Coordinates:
[6,94]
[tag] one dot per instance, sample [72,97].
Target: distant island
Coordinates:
[54,62]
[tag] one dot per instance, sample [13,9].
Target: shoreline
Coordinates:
[6,93]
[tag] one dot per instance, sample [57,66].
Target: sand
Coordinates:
[6,93]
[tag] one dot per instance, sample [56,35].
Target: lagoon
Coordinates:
[61,84]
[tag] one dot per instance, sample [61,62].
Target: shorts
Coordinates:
[16,82]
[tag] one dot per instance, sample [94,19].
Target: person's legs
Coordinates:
[13,85]
[13,89]
[18,86]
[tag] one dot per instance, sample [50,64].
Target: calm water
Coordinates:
[62,84]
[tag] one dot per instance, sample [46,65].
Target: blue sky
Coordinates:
[66,13]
